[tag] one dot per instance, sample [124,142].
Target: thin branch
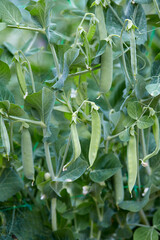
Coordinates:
[40,30]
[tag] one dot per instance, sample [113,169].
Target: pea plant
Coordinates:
[79,119]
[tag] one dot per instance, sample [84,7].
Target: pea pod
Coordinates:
[27,156]
[106,58]
[132,161]
[91,31]
[21,78]
[156,137]
[75,144]
[118,187]
[5,137]
[95,136]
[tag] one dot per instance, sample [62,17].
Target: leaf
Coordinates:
[40,11]
[69,57]
[43,102]
[10,184]
[2,26]
[101,48]
[4,72]
[153,89]
[110,164]
[125,135]
[134,206]
[5,94]
[145,233]
[63,234]
[9,13]
[145,122]
[73,172]
[156,220]
[155,72]
[134,110]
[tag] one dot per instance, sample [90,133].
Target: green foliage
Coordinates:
[88,91]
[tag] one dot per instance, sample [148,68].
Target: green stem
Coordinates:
[48,157]
[115,13]
[11,137]
[40,30]
[91,229]
[157,7]
[123,56]
[99,235]
[54,214]
[38,123]
[143,217]
[30,71]
[55,59]
[83,72]
[138,173]
[65,155]
[148,169]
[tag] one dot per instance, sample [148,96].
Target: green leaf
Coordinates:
[73,172]
[156,220]
[145,233]
[63,234]
[145,122]
[9,13]
[12,109]
[153,89]
[10,183]
[4,72]
[135,206]
[5,94]
[155,72]
[110,164]
[2,26]
[101,48]
[43,102]
[125,135]
[134,110]
[69,57]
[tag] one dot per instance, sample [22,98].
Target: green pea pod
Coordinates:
[118,187]
[95,136]
[75,144]
[132,162]
[156,137]
[5,137]
[27,156]
[21,78]
[106,73]
[91,31]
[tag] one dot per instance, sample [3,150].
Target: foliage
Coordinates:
[79,87]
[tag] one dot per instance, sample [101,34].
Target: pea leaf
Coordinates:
[134,206]
[145,122]
[10,183]
[4,72]
[73,172]
[43,102]
[5,94]
[134,110]
[2,26]
[153,89]
[63,234]
[105,167]
[148,233]
[156,219]
[9,13]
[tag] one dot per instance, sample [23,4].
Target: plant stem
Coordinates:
[138,173]
[48,157]
[65,155]
[55,59]
[11,136]
[91,229]
[143,217]
[157,7]
[148,169]
[39,123]
[83,72]
[54,214]
[30,71]
[40,30]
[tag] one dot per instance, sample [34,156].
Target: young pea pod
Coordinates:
[106,73]
[132,161]
[156,137]
[21,78]
[5,137]
[91,31]
[75,144]
[95,136]
[27,156]
[118,187]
